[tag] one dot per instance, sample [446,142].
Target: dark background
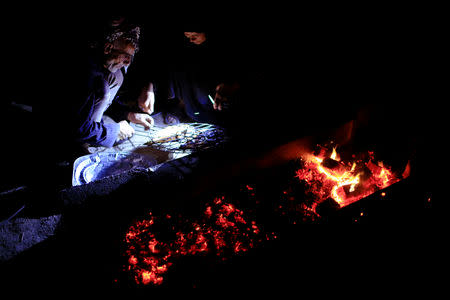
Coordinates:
[320,67]
[317,66]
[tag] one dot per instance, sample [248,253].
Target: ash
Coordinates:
[21,234]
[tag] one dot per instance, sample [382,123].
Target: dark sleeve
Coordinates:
[119,110]
[93,132]
[121,106]
[98,133]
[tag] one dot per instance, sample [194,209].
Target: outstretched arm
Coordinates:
[146,100]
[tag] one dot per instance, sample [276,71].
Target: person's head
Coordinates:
[120,48]
[196,38]
[118,54]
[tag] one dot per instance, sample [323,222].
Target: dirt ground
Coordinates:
[22,233]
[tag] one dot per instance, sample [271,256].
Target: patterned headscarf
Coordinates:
[130,33]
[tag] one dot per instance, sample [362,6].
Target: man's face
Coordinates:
[118,55]
[196,37]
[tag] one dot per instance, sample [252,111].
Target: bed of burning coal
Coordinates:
[260,228]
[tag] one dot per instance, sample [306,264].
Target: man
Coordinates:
[105,74]
[201,78]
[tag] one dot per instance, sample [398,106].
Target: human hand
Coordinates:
[140,118]
[146,100]
[170,119]
[223,94]
[125,130]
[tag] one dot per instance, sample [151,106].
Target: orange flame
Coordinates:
[334,155]
[343,180]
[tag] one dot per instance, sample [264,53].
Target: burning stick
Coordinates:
[344,182]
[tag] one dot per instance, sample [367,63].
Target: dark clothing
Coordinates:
[193,77]
[99,92]
[194,93]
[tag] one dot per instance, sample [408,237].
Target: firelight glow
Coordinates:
[223,231]
[327,176]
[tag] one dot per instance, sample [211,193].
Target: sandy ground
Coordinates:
[22,233]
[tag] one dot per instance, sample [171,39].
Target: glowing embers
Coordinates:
[153,245]
[345,181]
